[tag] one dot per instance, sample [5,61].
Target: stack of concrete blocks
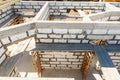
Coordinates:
[25,6]
[60,8]
[61,59]
[6,13]
[115,59]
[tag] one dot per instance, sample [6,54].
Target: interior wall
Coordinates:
[61,59]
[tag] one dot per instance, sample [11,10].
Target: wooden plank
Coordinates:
[87,60]
[37,62]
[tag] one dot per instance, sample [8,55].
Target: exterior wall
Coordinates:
[34,6]
[5,13]
[61,59]
[57,8]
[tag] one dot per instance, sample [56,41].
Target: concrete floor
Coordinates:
[51,73]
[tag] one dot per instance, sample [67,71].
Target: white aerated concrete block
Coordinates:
[76,62]
[67,3]
[62,59]
[69,36]
[45,30]
[34,3]
[114,32]
[74,41]
[99,31]
[117,37]
[100,37]
[46,40]
[70,56]
[85,41]
[5,40]
[112,42]
[81,36]
[44,59]
[59,56]
[26,3]
[31,32]
[75,31]
[2,50]
[17,6]
[19,36]
[2,58]
[61,65]
[54,62]
[73,66]
[42,36]
[54,36]
[47,56]
[60,40]
[28,6]
[60,31]
[45,65]
[115,57]
[65,62]
[73,59]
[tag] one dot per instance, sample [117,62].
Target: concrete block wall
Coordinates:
[13,38]
[26,6]
[60,8]
[115,59]
[9,40]
[5,13]
[61,59]
[106,16]
[48,35]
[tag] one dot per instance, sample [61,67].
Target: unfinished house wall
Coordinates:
[25,6]
[6,13]
[66,32]
[57,8]
[61,59]
[106,16]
